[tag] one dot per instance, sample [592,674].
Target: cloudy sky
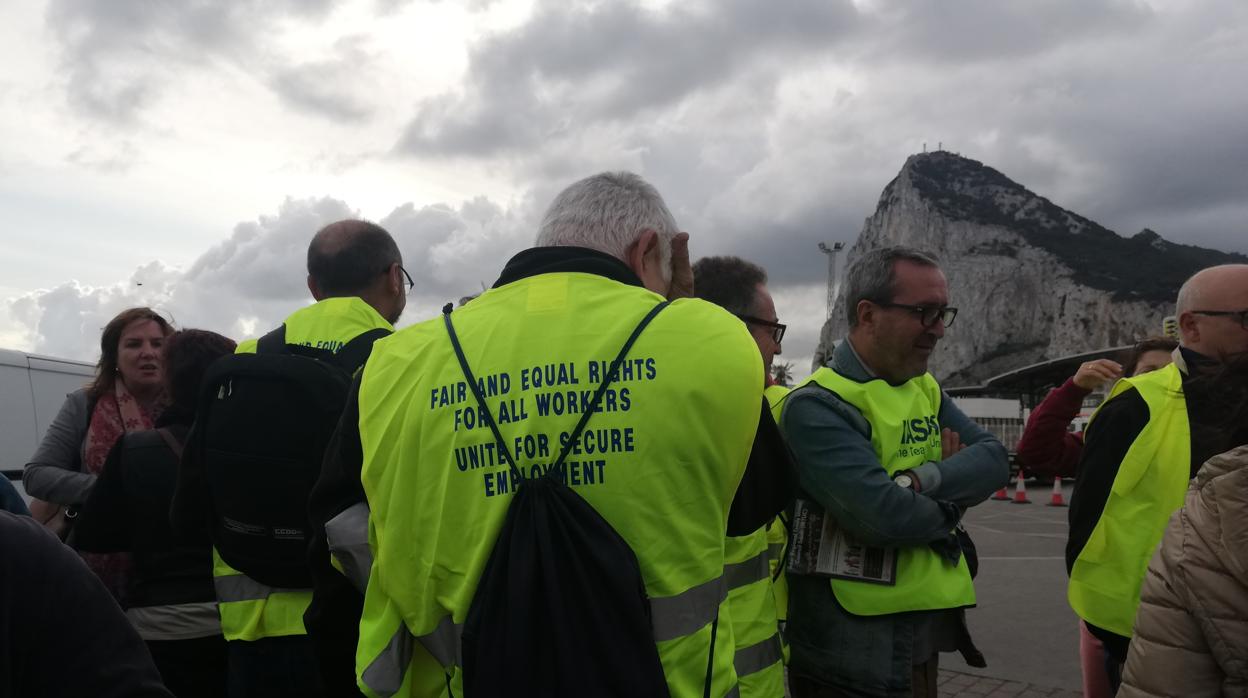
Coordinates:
[181,153]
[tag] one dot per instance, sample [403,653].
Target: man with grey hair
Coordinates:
[663,450]
[886,454]
[605,212]
[1144,443]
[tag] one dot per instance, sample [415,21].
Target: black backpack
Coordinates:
[261,428]
[561,608]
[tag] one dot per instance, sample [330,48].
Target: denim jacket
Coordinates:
[837,467]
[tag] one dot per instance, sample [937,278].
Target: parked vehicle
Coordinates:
[32,389]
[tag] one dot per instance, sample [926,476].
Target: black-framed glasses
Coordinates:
[928,314]
[777,328]
[407,278]
[1243,315]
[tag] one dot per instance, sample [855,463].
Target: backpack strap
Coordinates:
[170,441]
[602,388]
[350,357]
[476,393]
[273,342]
[354,353]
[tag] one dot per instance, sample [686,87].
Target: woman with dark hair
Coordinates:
[126,395]
[170,601]
[1191,632]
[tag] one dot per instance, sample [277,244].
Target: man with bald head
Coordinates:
[358,259]
[356,276]
[1144,443]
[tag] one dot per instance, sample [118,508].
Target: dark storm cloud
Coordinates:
[333,87]
[570,66]
[767,126]
[960,31]
[119,56]
[1126,114]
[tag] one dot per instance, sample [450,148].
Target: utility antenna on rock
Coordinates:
[831,252]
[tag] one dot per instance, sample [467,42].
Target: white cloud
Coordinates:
[257,276]
[144,132]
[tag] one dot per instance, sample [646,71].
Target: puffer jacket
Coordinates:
[1191,634]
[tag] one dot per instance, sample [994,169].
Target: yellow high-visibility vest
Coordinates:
[759,654]
[905,433]
[660,461]
[1152,480]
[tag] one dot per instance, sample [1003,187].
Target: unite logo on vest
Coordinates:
[916,433]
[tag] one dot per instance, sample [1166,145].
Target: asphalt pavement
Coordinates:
[1022,623]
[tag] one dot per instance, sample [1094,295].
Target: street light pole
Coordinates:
[831,252]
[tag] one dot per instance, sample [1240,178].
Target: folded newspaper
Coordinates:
[820,547]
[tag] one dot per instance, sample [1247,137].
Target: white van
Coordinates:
[32,390]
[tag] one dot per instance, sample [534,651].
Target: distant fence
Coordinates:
[1007,429]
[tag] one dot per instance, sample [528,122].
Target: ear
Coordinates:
[394,279]
[644,259]
[314,289]
[640,252]
[865,312]
[1189,330]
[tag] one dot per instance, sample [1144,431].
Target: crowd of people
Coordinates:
[585,482]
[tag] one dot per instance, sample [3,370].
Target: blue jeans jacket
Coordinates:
[837,467]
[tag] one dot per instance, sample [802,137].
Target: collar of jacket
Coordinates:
[846,361]
[552,260]
[1187,360]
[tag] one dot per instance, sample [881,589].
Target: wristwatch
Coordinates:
[904,479]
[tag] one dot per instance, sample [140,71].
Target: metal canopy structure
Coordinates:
[1031,383]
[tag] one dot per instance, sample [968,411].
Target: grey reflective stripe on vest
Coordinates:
[775,550]
[735,692]
[739,574]
[384,675]
[444,642]
[673,617]
[347,534]
[755,658]
[687,612]
[240,587]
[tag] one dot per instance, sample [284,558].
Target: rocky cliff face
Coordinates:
[1031,281]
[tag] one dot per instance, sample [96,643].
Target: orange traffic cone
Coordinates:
[1020,489]
[1002,494]
[1056,499]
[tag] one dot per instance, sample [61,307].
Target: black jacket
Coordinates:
[128,511]
[61,633]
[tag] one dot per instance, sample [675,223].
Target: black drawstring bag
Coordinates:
[561,608]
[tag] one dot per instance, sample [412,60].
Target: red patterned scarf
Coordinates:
[115,414]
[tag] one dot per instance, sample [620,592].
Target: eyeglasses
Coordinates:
[777,329]
[928,315]
[407,278]
[1243,315]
